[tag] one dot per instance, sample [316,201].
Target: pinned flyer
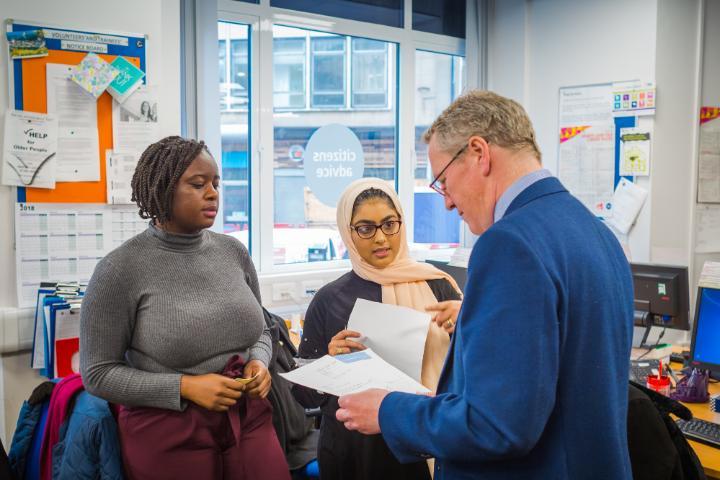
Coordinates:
[31,145]
[626,205]
[635,152]
[128,80]
[27,44]
[93,74]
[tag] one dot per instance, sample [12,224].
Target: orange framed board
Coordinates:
[28,92]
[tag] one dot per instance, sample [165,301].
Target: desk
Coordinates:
[709,456]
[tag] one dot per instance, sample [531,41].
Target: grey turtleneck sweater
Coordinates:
[163,305]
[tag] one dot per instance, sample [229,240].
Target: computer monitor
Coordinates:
[661,294]
[704,350]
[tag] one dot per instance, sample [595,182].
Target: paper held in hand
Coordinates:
[352,373]
[397,334]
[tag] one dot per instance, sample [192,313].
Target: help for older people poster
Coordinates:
[30,149]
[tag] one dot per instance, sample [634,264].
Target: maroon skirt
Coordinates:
[239,444]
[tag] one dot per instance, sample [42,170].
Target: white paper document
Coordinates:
[710,275]
[395,333]
[586,105]
[352,373]
[135,122]
[709,163]
[58,243]
[626,205]
[78,141]
[119,171]
[634,152]
[707,239]
[29,156]
[586,167]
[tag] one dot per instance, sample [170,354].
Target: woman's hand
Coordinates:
[259,387]
[446,314]
[211,391]
[340,344]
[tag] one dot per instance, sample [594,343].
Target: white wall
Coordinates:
[710,91]
[160,20]
[538,46]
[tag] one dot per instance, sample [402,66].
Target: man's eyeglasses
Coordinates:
[439,185]
[366,230]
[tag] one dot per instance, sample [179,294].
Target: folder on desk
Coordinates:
[57,323]
[37,360]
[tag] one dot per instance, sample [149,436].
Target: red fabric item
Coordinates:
[240,444]
[60,399]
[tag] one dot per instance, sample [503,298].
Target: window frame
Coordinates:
[353,52]
[261,18]
[315,54]
[290,92]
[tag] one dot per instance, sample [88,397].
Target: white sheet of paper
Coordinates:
[78,143]
[626,205]
[396,333]
[119,171]
[58,243]
[31,143]
[67,323]
[707,239]
[586,167]
[135,122]
[709,162]
[586,105]
[351,373]
[710,275]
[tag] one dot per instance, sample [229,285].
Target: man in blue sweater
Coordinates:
[535,382]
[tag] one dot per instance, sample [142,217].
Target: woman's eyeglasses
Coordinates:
[366,230]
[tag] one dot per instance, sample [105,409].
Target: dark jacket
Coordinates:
[658,449]
[295,431]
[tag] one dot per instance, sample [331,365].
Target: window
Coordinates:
[328,71]
[369,73]
[289,73]
[382,12]
[305,228]
[438,81]
[234,123]
[444,17]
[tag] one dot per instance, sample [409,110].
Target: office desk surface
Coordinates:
[709,456]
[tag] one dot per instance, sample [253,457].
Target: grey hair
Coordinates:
[499,120]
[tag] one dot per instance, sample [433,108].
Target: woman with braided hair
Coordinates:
[170,321]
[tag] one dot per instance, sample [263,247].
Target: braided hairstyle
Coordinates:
[157,173]
[369,194]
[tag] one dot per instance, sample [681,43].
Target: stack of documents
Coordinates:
[395,337]
[352,373]
[56,339]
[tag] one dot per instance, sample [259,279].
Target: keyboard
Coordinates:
[640,369]
[701,431]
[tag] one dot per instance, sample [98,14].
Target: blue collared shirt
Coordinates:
[516,189]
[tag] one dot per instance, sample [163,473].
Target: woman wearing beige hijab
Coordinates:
[370,220]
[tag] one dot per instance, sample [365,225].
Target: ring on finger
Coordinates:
[449,323]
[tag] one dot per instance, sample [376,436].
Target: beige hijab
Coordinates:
[403,281]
